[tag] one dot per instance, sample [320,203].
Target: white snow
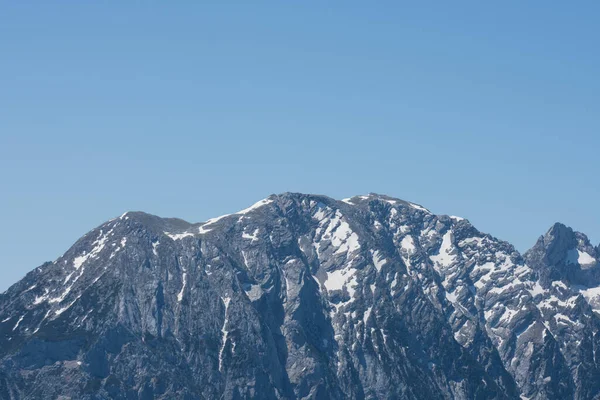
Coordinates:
[395,281]
[470,240]
[224,332]
[180,294]
[488,270]
[351,288]
[216,219]
[154,246]
[378,260]
[451,297]
[592,295]
[63,309]
[63,295]
[562,319]
[255,292]
[202,230]
[18,322]
[253,236]
[179,236]
[444,258]
[337,231]
[211,221]
[245,257]
[98,244]
[123,244]
[454,217]
[367,314]
[533,323]
[68,278]
[338,278]
[420,208]
[507,315]
[576,256]
[559,284]
[30,288]
[408,244]
[255,206]
[345,239]
[319,215]
[40,299]
[78,263]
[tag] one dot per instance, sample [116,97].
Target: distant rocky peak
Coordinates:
[564,254]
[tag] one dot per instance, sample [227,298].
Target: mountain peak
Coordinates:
[563,254]
[356,200]
[298,296]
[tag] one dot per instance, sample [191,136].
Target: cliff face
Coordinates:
[303,296]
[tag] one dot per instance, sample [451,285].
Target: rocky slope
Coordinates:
[302,296]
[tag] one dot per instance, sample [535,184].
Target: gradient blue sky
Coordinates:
[196,109]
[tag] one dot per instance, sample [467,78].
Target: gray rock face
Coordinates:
[305,297]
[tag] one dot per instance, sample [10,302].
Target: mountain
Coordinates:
[306,297]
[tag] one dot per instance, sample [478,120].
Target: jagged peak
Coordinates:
[558,230]
[563,254]
[144,217]
[560,237]
[358,199]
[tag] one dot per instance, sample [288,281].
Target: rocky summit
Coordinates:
[306,297]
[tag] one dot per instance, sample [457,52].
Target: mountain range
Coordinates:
[306,297]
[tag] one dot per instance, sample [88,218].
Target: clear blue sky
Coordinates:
[195,109]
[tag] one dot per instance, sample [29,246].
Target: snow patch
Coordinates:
[444,258]
[202,229]
[420,208]
[366,315]
[576,256]
[378,260]
[470,240]
[63,309]
[451,297]
[253,236]
[178,236]
[224,332]
[337,279]
[255,206]
[255,292]
[592,296]
[18,322]
[180,294]
[408,244]
[98,244]
[337,231]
